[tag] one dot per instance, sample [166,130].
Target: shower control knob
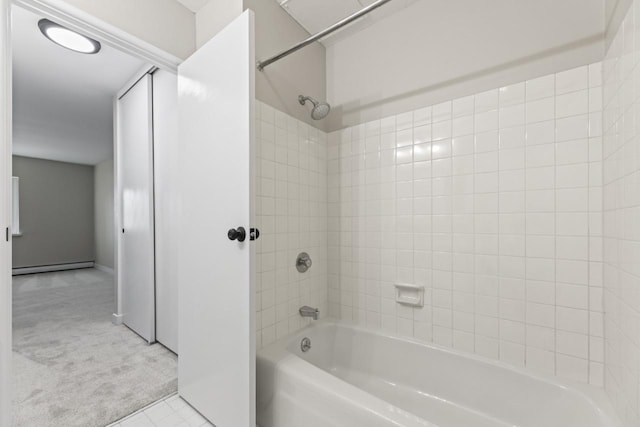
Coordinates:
[303,262]
[239,234]
[254,233]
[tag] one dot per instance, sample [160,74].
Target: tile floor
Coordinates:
[169,412]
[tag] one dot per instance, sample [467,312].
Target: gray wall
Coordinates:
[303,73]
[103,200]
[56,213]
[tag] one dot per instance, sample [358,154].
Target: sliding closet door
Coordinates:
[216,371]
[167,192]
[134,160]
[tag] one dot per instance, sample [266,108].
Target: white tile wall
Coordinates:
[622,218]
[291,213]
[493,202]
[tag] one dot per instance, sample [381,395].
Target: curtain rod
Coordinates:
[262,64]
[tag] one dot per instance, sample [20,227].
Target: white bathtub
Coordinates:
[356,377]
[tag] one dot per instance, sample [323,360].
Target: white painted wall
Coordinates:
[103,207]
[436,50]
[165,24]
[214,16]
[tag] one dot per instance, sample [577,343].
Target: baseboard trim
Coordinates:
[49,268]
[103,268]
[116,319]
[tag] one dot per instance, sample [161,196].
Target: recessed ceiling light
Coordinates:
[68,38]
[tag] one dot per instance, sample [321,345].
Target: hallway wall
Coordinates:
[104,226]
[56,213]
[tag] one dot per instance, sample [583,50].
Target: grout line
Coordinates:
[526,276]
[555,230]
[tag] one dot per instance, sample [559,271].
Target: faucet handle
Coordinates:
[303,262]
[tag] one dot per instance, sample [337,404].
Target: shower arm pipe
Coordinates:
[346,21]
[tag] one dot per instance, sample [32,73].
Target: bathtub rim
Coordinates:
[595,396]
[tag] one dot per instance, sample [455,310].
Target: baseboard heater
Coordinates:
[49,268]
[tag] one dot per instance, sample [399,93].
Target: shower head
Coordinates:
[319,111]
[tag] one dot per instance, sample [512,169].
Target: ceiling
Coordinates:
[63,100]
[193,5]
[316,15]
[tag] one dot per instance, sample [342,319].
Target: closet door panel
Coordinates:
[134,159]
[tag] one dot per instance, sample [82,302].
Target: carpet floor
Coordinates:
[71,365]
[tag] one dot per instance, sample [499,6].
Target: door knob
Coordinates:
[238,234]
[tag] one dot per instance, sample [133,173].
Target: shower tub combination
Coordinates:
[356,377]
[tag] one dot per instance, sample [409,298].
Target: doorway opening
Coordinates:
[79,355]
[216,90]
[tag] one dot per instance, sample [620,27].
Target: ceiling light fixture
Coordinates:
[67,38]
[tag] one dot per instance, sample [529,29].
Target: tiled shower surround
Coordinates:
[493,203]
[291,213]
[622,218]
[519,218]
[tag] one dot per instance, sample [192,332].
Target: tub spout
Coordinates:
[306,311]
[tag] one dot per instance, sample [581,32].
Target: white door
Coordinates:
[216,367]
[134,160]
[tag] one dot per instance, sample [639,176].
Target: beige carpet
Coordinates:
[72,366]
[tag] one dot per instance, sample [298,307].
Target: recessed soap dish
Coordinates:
[412,295]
